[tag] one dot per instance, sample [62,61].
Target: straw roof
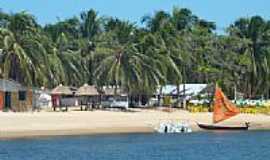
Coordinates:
[87,90]
[111,91]
[62,90]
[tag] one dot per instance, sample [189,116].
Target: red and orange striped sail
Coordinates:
[223,108]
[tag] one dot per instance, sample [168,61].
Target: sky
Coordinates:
[223,12]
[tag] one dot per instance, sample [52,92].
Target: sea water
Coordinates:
[251,145]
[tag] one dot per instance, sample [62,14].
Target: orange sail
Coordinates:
[223,108]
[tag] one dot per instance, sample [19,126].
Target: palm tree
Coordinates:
[256,30]
[183,18]
[159,21]
[70,27]
[16,64]
[90,25]
[123,31]
[130,69]
[66,63]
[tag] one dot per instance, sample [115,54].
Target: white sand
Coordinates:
[13,125]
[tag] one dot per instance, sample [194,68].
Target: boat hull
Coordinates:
[216,127]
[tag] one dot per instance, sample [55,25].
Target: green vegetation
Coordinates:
[243,109]
[171,48]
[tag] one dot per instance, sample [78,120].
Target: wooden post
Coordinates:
[235,94]
[159,96]
[178,96]
[184,100]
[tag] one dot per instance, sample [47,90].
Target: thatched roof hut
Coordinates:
[111,91]
[63,90]
[87,90]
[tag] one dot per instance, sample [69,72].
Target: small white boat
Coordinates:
[173,127]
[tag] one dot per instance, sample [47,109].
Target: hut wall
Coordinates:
[15,101]
[29,98]
[84,100]
[69,101]
[56,100]
[2,100]
[19,105]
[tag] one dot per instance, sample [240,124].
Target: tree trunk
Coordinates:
[235,93]
[159,96]
[184,95]
[178,96]
[139,98]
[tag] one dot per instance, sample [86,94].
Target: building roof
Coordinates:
[41,90]
[110,91]
[63,90]
[11,86]
[87,90]
[190,89]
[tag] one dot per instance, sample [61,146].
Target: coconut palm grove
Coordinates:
[166,48]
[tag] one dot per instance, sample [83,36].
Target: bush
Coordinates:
[255,109]
[198,108]
[244,109]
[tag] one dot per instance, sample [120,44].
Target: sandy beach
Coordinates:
[17,125]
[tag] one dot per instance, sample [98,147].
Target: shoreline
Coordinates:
[89,132]
[73,123]
[78,132]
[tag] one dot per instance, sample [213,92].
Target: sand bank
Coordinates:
[16,125]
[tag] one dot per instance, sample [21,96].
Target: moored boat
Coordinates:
[223,110]
[220,127]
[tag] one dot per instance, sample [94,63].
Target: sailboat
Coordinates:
[223,110]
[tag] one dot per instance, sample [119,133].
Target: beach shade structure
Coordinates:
[62,90]
[112,97]
[88,96]
[110,91]
[63,95]
[87,90]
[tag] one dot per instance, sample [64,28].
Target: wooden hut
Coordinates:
[15,97]
[112,97]
[88,95]
[63,96]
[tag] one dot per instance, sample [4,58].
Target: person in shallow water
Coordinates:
[166,129]
[183,129]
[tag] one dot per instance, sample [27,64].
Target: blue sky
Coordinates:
[223,12]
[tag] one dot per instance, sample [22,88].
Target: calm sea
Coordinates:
[195,146]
